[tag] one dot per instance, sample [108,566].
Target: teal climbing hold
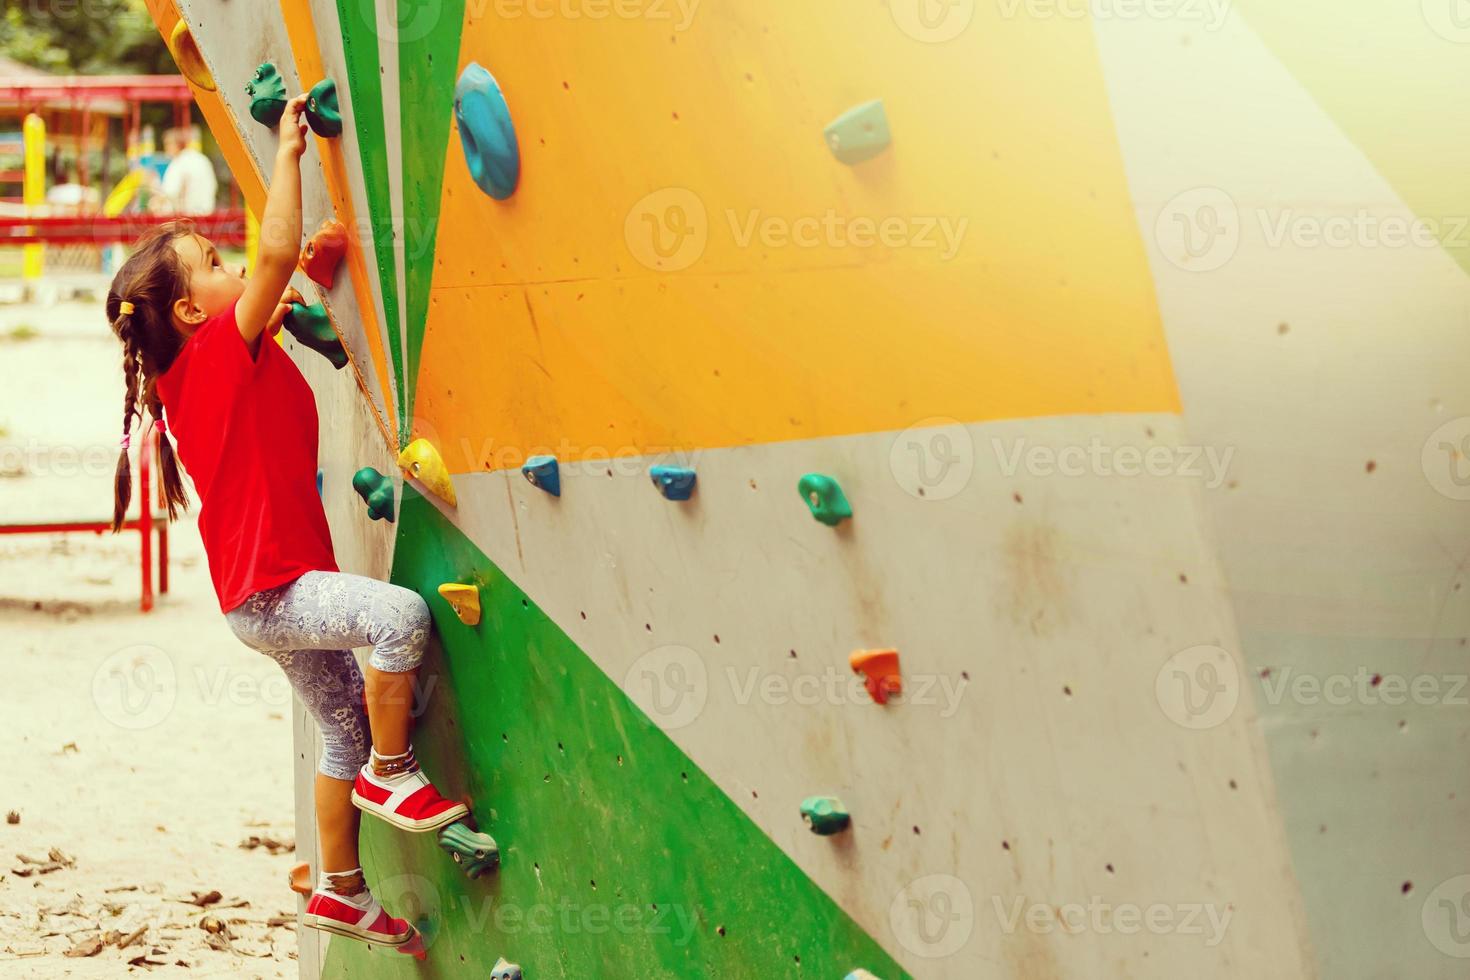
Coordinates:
[674,482]
[322,114]
[825,815]
[267,91]
[825,498]
[312,328]
[543,472]
[505,970]
[860,133]
[377,490]
[486,133]
[476,853]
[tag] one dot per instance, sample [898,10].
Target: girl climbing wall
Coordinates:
[245,425]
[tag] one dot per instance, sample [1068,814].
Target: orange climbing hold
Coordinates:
[323,253]
[880,668]
[300,880]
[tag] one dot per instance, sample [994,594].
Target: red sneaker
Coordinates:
[329,913]
[409,801]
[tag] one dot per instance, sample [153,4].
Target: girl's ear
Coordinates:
[187,313]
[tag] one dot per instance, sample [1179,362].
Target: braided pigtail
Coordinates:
[139,309]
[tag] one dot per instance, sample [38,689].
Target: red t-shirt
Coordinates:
[246,432]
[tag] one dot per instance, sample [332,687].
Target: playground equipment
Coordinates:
[312,327]
[146,523]
[745,259]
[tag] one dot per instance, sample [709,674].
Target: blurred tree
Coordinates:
[84,37]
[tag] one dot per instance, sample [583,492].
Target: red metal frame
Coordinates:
[221,227]
[130,88]
[145,523]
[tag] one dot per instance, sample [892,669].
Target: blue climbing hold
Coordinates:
[486,132]
[860,133]
[318,483]
[674,482]
[543,472]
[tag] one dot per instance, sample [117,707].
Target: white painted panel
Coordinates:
[1326,369]
[1060,596]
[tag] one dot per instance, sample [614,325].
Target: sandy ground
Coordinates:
[143,750]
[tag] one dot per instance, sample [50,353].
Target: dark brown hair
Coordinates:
[151,279]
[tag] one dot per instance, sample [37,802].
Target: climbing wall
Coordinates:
[695,240]
[1311,273]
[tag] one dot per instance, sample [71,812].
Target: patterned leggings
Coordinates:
[310,626]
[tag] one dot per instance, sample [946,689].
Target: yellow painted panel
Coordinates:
[1012,283]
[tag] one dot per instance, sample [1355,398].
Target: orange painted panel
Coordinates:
[704,272]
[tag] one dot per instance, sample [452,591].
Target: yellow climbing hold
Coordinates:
[421,461]
[464,600]
[186,55]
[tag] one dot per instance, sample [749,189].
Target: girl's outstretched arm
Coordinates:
[280,230]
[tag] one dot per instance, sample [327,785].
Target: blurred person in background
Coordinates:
[189,185]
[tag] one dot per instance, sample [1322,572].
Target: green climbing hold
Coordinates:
[825,498]
[322,114]
[312,328]
[825,815]
[267,91]
[473,851]
[377,490]
[505,970]
[860,133]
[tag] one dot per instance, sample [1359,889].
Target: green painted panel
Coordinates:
[360,47]
[620,858]
[428,59]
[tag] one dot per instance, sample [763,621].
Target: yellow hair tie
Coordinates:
[125,308]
